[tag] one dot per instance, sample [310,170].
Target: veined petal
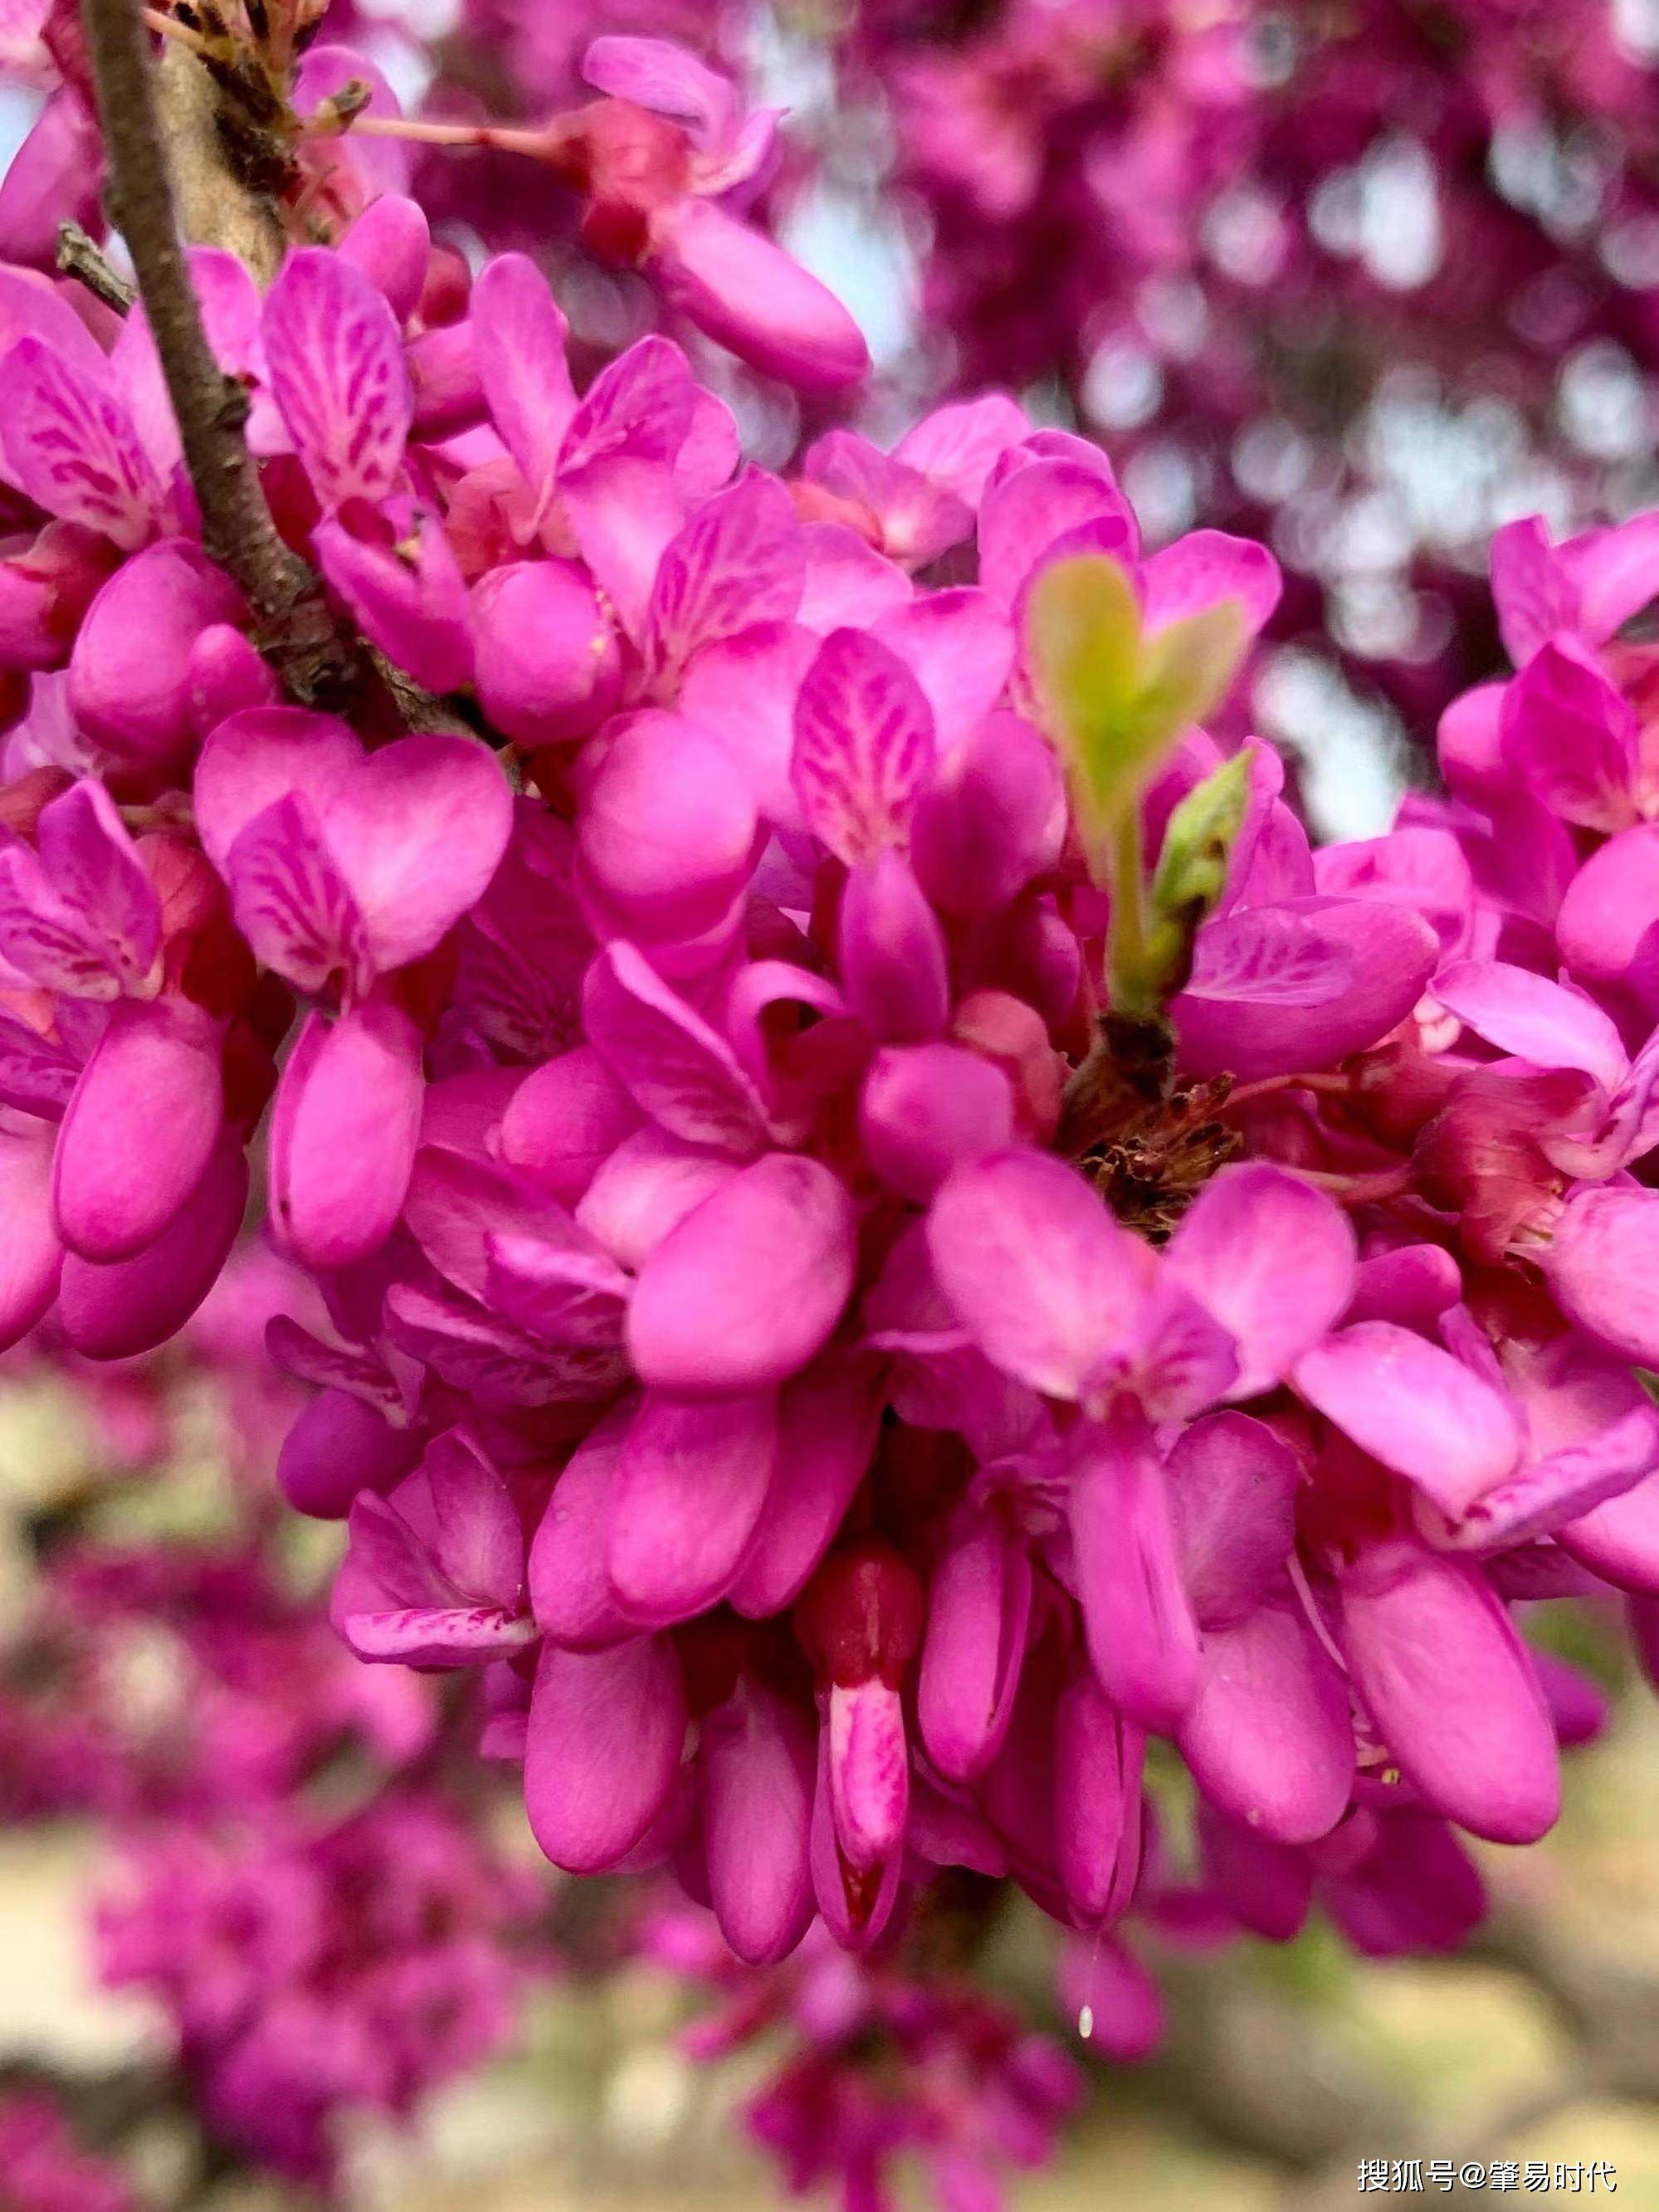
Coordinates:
[140,1128]
[1416,1409]
[1272,1259]
[689,1488]
[1036,1268]
[603,1749]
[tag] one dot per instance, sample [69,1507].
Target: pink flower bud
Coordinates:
[741,289]
[549,667]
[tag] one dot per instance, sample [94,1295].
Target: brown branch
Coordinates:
[293,626]
[217,206]
[78,257]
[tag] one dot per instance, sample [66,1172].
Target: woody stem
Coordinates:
[296,631]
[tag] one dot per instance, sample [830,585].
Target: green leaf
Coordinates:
[1189,668]
[1198,843]
[1114,700]
[1083,632]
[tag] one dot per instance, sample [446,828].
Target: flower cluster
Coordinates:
[878,2065]
[886,1230]
[315,1970]
[309,1889]
[44,2169]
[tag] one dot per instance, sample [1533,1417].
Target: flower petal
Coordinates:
[1272,1259]
[603,1749]
[1416,1409]
[748,1288]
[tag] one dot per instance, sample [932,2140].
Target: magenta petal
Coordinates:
[1535,597]
[645,1188]
[1412,1284]
[570,1592]
[336,368]
[1121,1999]
[979,1603]
[554,1293]
[1578,1708]
[436,1636]
[457,1205]
[293,905]
[1418,1890]
[739,561]
[30,1253]
[1565,1485]
[1098,1822]
[1619,1537]
[993,817]
[71,445]
[261,756]
[1535,1019]
[959,445]
[38,1075]
[1416,1409]
[1037,505]
[1267,1887]
[130,670]
[390,1564]
[343,1130]
[1602,1266]
[856,1903]
[1272,1259]
[677,1068]
[689,1489]
[563,1119]
[1571,738]
[667,829]
[1268,1737]
[519,335]
[927,1109]
[735,284]
[417,614]
[662,75]
[1450,1685]
[1278,990]
[1142,1641]
[226,675]
[391,242]
[603,1750]
[757,1762]
[1208,568]
[549,667]
[418,830]
[827,1420]
[864,745]
[893,954]
[869,1771]
[337,1447]
[478,1541]
[140,1128]
[1232,1494]
[1036,1268]
[742,692]
[130,1306]
[959,645]
[750,1286]
[91,864]
[1606,928]
[643,404]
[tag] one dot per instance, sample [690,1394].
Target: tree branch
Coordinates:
[80,258]
[295,628]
